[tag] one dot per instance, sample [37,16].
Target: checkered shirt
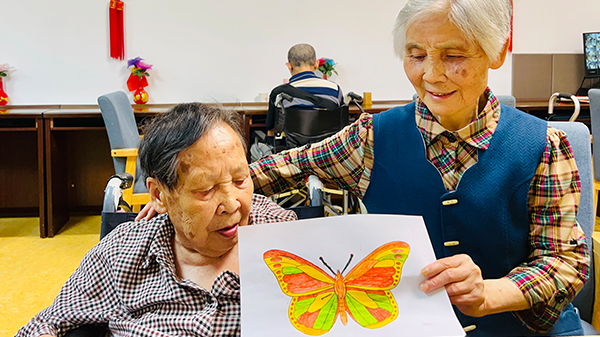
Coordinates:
[559,259]
[129,282]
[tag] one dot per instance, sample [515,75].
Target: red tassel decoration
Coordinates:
[117,36]
[510,44]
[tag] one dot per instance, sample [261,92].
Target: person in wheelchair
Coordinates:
[176,274]
[302,64]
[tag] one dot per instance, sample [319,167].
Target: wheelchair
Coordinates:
[301,126]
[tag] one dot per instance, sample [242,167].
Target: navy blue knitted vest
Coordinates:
[487,214]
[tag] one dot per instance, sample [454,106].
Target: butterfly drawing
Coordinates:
[318,298]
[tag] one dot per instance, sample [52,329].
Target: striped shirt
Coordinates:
[559,256]
[310,83]
[129,282]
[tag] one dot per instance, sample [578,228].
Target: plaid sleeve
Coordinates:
[85,298]
[345,160]
[558,266]
[266,211]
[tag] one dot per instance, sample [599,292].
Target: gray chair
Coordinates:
[124,139]
[578,135]
[509,100]
[594,95]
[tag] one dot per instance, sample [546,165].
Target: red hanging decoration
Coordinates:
[510,43]
[117,36]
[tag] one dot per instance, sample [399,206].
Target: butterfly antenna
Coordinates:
[347,264]
[326,265]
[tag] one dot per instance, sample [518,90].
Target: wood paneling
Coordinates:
[532,75]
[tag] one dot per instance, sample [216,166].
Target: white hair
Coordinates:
[483,22]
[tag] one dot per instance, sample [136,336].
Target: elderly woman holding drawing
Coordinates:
[498,189]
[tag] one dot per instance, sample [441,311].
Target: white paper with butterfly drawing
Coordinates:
[265,306]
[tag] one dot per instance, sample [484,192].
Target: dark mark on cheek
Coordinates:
[184,167]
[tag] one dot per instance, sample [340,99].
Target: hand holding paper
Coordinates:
[467,289]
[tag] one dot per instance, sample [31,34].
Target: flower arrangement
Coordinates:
[4,69]
[326,66]
[137,79]
[3,72]
[140,68]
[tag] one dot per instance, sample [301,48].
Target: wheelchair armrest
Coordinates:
[124,152]
[126,179]
[259,136]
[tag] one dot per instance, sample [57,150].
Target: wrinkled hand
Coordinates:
[147,212]
[463,281]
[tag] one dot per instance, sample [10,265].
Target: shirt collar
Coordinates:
[477,134]
[303,75]
[161,249]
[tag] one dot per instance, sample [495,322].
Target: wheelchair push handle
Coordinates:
[281,97]
[355,98]
[561,95]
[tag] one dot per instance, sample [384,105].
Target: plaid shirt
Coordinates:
[129,281]
[559,261]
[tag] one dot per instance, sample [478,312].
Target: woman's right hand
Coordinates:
[147,213]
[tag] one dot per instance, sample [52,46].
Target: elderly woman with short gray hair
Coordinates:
[498,189]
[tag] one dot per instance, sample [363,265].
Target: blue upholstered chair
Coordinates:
[124,139]
[579,137]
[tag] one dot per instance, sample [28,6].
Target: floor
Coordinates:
[32,269]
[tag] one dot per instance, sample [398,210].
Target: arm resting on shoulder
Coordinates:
[345,159]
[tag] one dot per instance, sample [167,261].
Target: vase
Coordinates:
[3,95]
[324,76]
[140,96]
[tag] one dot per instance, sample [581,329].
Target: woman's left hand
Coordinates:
[463,281]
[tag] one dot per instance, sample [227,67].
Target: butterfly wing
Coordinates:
[314,314]
[368,296]
[314,306]
[297,276]
[381,269]
[371,308]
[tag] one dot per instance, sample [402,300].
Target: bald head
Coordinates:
[302,55]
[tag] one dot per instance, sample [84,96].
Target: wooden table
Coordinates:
[55,160]
[77,161]
[562,111]
[21,164]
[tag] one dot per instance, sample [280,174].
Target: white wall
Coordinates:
[553,26]
[231,50]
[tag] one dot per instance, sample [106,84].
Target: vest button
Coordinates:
[451,137]
[470,328]
[451,243]
[449,202]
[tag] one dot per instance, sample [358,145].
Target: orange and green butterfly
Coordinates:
[318,298]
